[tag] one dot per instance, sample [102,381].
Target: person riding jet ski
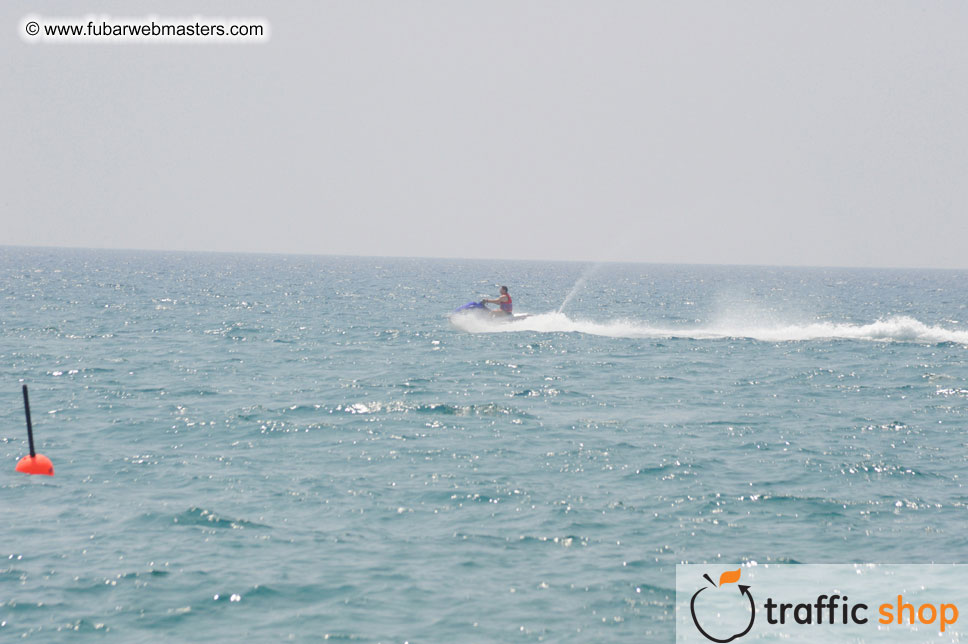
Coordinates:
[504,300]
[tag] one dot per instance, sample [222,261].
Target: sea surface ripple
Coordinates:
[266,447]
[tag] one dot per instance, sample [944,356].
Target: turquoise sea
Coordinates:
[262,448]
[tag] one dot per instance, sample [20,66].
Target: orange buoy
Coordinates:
[35,463]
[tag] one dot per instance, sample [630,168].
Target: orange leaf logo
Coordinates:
[729,577]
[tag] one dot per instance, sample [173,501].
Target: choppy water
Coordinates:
[261,447]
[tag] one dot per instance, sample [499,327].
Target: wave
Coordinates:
[894,329]
[200,517]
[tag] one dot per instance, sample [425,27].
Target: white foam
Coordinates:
[896,329]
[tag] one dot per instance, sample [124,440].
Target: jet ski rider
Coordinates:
[504,300]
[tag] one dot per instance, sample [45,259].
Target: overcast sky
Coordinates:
[794,133]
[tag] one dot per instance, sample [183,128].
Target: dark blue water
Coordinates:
[261,447]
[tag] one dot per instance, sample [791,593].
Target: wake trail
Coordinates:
[894,329]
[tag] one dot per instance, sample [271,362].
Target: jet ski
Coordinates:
[471,306]
[481,309]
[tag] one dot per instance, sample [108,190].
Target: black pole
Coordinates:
[30,428]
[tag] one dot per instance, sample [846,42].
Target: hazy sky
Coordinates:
[819,133]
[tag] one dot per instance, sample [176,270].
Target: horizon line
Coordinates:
[482,259]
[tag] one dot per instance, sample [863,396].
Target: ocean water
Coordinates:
[262,448]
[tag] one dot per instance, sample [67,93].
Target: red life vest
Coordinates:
[506,306]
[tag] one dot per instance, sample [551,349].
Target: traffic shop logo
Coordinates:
[717,630]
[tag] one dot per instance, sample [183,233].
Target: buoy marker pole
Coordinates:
[35,463]
[30,426]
